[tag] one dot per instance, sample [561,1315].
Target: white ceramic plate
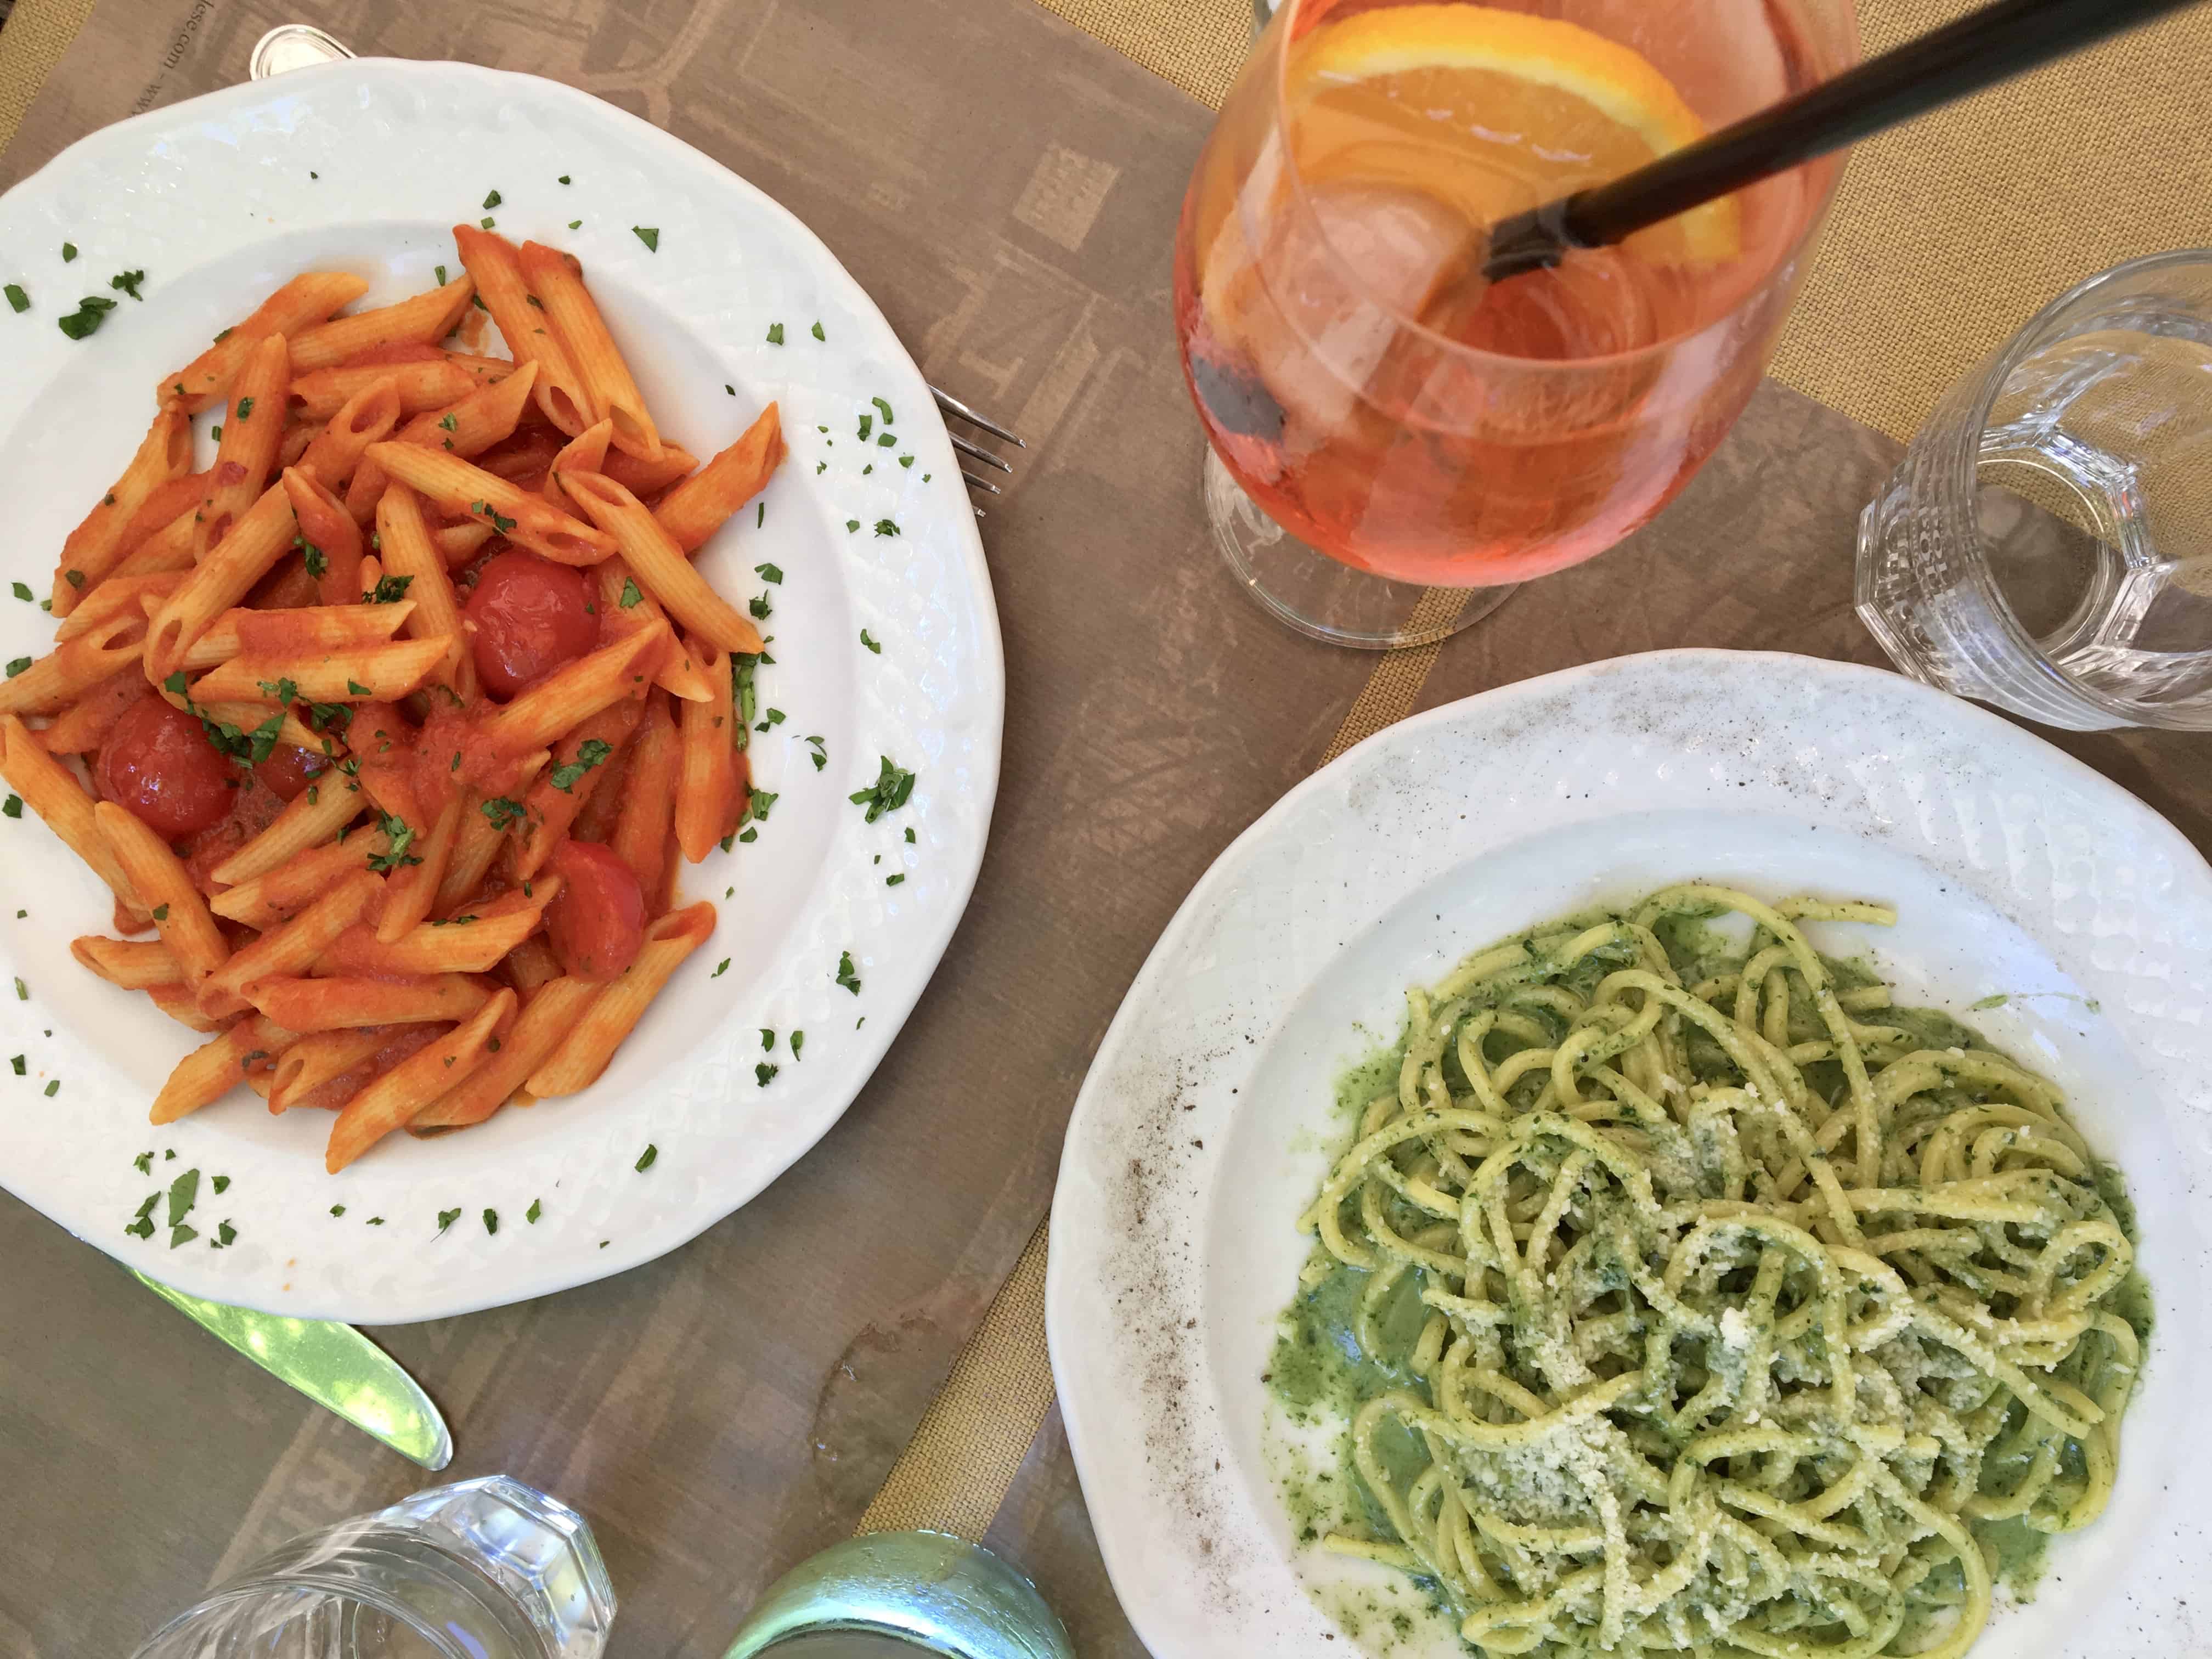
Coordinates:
[366,166]
[1205,1125]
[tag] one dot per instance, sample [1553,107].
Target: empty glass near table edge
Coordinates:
[900,1594]
[2046,544]
[1629,1430]
[487,1569]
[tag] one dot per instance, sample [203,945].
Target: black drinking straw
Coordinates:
[1979,51]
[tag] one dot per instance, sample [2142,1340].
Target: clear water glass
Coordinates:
[2046,544]
[488,1569]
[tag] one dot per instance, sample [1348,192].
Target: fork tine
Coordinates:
[975,483]
[976,452]
[953,406]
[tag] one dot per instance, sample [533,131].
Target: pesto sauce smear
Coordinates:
[1323,1376]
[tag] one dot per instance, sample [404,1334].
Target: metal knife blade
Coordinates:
[334,1366]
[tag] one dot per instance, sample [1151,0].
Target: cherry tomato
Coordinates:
[597,921]
[158,764]
[529,616]
[289,771]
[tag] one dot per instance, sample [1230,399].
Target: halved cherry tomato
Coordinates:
[289,771]
[158,764]
[597,921]
[528,616]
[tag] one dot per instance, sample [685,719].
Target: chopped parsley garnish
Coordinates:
[396,856]
[12,807]
[486,221]
[355,688]
[758,805]
[887,440]
[648,234]
[22,590]
[498,523]
[491,1221]
[888,793]
[758,605]
[285,690]
[73,578]
[215,433]
[909,836]
[245,409]
[872,644]
[127,281]
[337,1209]
[893,881]
[846,976]
[532,1214]
[765,1073]
[491,201]
[68,254]
[501,812]
[184,1193]
[645,1158]
[317,561]
[630,596]
[884,407]
[224,1234]
[449,421]
[797,1043]
[589,753]
[182,1236]
[769,572]
[720,968]
[18,665]
[141,1225]
[885,527]
[144,1165]
[868,426]
[322,716]
[222,1183]
[160,913]
[851,525]
[821,755]
[446,1219]
[564,178]
[18,302]
[91,312]
[818,334]
[19,1062]
[390,590]
[576,224]
[775,333]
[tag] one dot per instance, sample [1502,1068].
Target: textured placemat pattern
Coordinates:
[31,44]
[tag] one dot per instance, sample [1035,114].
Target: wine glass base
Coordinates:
[1322,597]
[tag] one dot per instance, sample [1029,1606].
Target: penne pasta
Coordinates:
[297,632]
[524,518]
[63,806]
[560,394]
[96,546]
[530,964]
[695,508]
[330,1004]
[319,1057]
[243,558]
[329,541]
[311,820]
[265,901]
[74,666]
[404,539]
[413,888]
[83,727]
[383,672]
[134,964]
[388,1103]
[418,387]
[472,942]
[161,882]
[458,543]
[422,319]
[557,280]
[291,948]
[252,425]
[214,1069]
[120,595]
[706,793]
[643,477]
[177,1002]
[480,369]
[486,823]
[570,695]
[485,417]
[648,797]
[584,452]
[162,507]
[299,437]
[580,761]
[658,563]
[169,547]
[583,1054]
[625,607]
[551,1013]
[307,300]
[366,417]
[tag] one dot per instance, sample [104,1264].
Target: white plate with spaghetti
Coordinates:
[860,559]
[2043,909]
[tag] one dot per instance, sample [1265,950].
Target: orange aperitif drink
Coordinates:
[1358,377]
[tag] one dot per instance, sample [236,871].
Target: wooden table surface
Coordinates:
[1006,188]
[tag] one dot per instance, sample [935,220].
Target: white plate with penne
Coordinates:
[504,693]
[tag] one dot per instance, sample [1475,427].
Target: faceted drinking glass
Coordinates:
[1384,422]
[488,1569]
[2047,545]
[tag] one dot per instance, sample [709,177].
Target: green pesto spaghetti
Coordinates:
[1705,1302]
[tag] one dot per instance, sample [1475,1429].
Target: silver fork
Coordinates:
[300,46]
